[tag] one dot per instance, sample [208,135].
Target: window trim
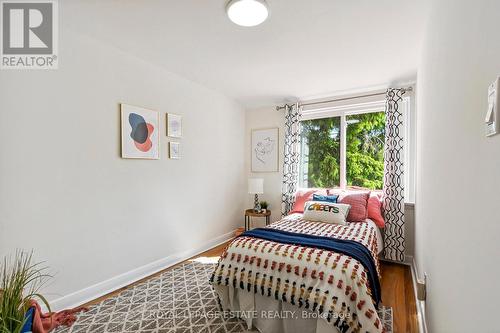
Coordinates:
[378,105]
[344,110]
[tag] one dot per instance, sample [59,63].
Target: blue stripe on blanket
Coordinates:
[348,247]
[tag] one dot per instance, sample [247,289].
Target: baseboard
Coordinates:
[422,325]
[407,262]
[102,288]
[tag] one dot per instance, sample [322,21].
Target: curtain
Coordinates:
[292,157]
[393,188]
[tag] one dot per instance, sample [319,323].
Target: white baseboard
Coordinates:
[105,287]
[422,325]
[407,262]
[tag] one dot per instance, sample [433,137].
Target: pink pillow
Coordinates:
[302,196]
[358,201]
[375,208]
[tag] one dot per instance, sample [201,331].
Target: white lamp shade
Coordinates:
[255,185]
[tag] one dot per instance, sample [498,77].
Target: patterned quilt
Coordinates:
[332,284]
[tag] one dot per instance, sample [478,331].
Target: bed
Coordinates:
[291,287]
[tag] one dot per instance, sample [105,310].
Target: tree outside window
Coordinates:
[321,151]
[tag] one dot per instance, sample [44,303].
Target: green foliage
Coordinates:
[364,151]
[20,281]
[323,139]
[263,204]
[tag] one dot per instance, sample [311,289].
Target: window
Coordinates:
[344,146]
[322,152]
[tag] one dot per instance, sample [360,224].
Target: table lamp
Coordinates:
[256,186]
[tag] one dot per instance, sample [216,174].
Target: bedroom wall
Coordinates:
[91,215]
[457,220]
[265,117]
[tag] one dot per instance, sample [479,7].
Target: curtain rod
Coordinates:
[278,108]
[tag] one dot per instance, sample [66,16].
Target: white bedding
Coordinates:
[249,274]
[380,239]
[272,315]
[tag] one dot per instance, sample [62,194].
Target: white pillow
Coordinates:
[327,212]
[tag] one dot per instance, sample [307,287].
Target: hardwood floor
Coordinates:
[397,292]
[396,283]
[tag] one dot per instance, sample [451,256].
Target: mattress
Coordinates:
[380,238]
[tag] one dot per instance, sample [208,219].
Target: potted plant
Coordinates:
[20,281]
[263,206]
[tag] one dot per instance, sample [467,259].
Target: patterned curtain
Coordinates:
[292,157]
[393,203]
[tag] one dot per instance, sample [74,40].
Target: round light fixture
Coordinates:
[247,13]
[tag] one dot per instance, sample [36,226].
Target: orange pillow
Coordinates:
[304,195]
[375,209]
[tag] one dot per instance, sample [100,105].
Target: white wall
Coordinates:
[65,191]
[265,117]
[457,220]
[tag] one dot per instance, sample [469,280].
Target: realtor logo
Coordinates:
[29,34]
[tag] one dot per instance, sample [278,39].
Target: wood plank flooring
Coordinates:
[397,292]
[396,283]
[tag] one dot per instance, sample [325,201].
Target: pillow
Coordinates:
[301,196]
[358,200]
[328,212]
[325,198]
[375,208]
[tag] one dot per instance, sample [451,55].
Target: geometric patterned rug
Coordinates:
[179,300]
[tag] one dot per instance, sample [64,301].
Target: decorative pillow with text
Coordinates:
[328,212]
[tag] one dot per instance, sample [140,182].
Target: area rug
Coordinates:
[179,300]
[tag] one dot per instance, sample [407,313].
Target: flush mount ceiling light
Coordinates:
[247,13]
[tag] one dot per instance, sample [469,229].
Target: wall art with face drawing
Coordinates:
[140,132]
[264,150]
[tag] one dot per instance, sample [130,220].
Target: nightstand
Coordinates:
[249,213]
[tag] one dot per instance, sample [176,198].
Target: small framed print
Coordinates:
[174,125]
[174,150]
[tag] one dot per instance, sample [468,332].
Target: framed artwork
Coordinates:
[140,132]
[264,149]
[174,125]
[174,150]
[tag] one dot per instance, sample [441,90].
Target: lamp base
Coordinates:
[256,204]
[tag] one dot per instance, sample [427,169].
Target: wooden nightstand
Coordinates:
[249,213]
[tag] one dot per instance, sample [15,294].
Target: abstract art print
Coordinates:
[264,150]
[174,150]
[174,125]
[140,132]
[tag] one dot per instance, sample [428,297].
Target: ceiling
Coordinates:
[306,48]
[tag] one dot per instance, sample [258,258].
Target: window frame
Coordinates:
[378,105]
